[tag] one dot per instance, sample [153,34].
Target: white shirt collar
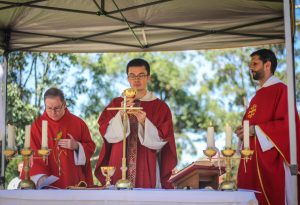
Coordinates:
[271,81]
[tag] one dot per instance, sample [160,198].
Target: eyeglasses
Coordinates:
[137,77]
[54,109]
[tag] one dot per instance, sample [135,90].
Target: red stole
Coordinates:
[132,146]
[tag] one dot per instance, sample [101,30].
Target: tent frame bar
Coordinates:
[100,12]
[203,33]
[289,39]
[3,95]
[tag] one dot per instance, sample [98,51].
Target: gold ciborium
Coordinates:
[130,93]
[108,171]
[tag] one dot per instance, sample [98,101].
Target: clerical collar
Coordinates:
[271,81]
[148,97]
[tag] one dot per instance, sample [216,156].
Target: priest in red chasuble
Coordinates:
[268,172]
[151,151]
[69,141]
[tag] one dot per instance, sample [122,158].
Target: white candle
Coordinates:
[27,136]
[44,134]
[246,134]
[228,132]
[210,137]
[11,136]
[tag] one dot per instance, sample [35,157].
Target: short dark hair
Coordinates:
[266,55]
[138,62]
[54,92]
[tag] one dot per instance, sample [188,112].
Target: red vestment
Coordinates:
[70,174]
[265,171]
[111,154]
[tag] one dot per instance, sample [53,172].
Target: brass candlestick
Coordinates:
[26,183]
[246,153]
[228,184]
[9,153]
[210,152]
[44,153]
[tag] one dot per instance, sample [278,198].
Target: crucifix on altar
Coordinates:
[124,183]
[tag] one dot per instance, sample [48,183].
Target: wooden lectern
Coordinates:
[198,175]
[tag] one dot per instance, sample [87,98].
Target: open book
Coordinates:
[48,181]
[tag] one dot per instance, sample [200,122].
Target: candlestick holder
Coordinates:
[10,153]
[26,183]
[44,153]
[228,183]
[210,152]
[26,153]
[247,153]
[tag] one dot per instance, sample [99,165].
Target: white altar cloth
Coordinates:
[126,197]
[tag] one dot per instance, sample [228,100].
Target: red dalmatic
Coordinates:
[265,172]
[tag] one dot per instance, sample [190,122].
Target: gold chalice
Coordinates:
[130,93]
[108,171]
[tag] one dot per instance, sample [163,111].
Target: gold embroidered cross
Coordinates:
[252,111]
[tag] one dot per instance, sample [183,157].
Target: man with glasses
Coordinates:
[69,141]
[268,172]
[151,151]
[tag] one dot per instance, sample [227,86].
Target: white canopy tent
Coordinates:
[141,26]
[138,25]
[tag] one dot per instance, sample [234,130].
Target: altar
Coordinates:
[126,197]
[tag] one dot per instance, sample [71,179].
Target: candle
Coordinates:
[246,134]
[27,136]
[11,136]
[210,137]
[228,132]
[44,134]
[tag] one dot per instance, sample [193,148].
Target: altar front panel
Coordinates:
[125,197]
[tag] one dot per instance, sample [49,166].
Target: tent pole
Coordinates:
[3,106]
[291,96]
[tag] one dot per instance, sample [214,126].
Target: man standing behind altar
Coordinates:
[151,151]
[69,142]
[268,172]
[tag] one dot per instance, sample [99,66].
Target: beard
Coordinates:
[258,75]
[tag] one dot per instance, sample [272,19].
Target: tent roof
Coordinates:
[138,25]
